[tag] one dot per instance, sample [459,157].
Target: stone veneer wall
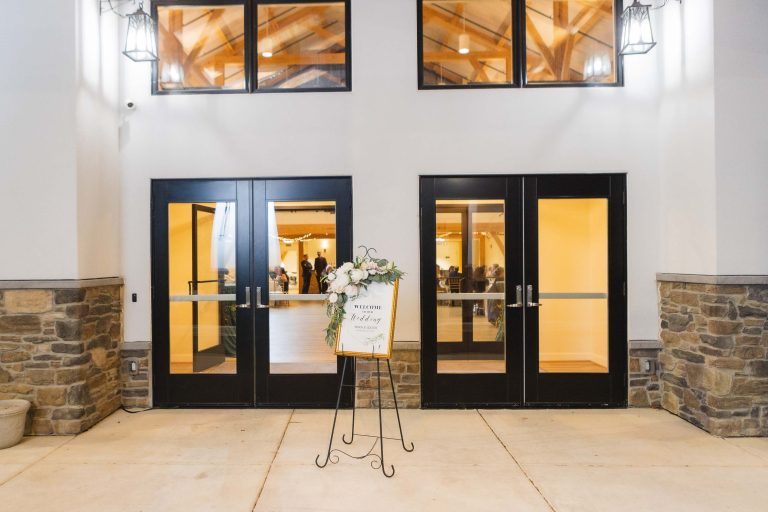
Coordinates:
[59,350]
[135,388]
[644,385]
[406,373]
[714,364]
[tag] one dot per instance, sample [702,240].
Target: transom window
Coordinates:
[512,43]
[251,46]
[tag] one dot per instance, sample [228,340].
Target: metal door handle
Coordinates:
[518,297]
[247,303]
[259,305]
[530,304]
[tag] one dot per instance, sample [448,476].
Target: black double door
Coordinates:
[238,311]
[523,291]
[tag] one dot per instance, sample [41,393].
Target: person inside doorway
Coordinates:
[320,264]
[306,274]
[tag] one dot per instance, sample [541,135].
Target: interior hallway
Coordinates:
[243,460]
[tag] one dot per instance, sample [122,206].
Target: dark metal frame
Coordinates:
[522,385]
[252,385]
[519,54]
[251,58]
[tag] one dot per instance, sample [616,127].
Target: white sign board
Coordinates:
[369,323]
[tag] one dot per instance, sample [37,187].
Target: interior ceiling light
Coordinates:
[464,37]
[267,48]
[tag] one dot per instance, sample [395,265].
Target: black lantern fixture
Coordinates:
[636,32]
[140,42]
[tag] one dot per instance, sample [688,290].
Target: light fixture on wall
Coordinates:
[141,38]
[636,31]
[140,42]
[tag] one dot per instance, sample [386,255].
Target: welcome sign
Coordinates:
[368,327]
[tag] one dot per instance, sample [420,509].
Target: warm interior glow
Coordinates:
[464,43]
[573,262]
[215,273]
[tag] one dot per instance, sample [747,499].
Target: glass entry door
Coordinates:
[307,232]
[238,296]
[523,298]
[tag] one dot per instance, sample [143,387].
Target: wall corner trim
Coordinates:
[59,284]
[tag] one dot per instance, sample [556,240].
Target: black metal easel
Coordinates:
[378,459]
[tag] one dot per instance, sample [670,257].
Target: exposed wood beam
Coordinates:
[301,59]
[544,50]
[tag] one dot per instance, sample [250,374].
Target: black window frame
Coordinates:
[519,55]
[251,24]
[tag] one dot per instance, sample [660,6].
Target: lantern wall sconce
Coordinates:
[636,31]
[140,39]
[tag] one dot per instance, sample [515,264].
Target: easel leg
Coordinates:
[354,406]
[335,415]
[397,410]
[381,426]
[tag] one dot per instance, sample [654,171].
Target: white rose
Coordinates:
[373,271]
[356,275]
[346,267]
[340,282]
[331,277]
[333,297]
[351,290]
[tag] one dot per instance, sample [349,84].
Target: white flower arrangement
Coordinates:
[350,281]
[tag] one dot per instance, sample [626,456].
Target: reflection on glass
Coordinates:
[201,276]
[302,46]
[573,284]
[201,47]
[302,249]
[570,41]
[467,42]
[469,273]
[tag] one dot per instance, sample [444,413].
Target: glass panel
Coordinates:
[470,286]
[573,284]
[201,47]
[467,42]
[302,248]
[201,289]
[570,41]
[302,46]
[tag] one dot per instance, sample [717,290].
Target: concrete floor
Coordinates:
[241,460]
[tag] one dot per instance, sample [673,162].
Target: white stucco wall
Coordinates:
[38,187]
[385,133]
[741,124]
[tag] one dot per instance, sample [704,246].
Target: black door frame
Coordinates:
[523,386]
[252,385]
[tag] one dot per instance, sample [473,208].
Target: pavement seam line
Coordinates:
[72,438]
[549,504]
[272,462]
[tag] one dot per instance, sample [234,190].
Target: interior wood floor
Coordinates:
[449,325]
[498,366]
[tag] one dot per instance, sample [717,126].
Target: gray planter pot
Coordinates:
[13,416]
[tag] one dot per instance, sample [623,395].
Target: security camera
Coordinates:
[130,104]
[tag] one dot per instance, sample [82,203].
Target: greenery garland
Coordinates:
[350,281]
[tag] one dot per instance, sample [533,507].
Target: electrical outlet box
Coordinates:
[132,366]
[647,366]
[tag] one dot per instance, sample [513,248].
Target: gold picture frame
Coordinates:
[380,354]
